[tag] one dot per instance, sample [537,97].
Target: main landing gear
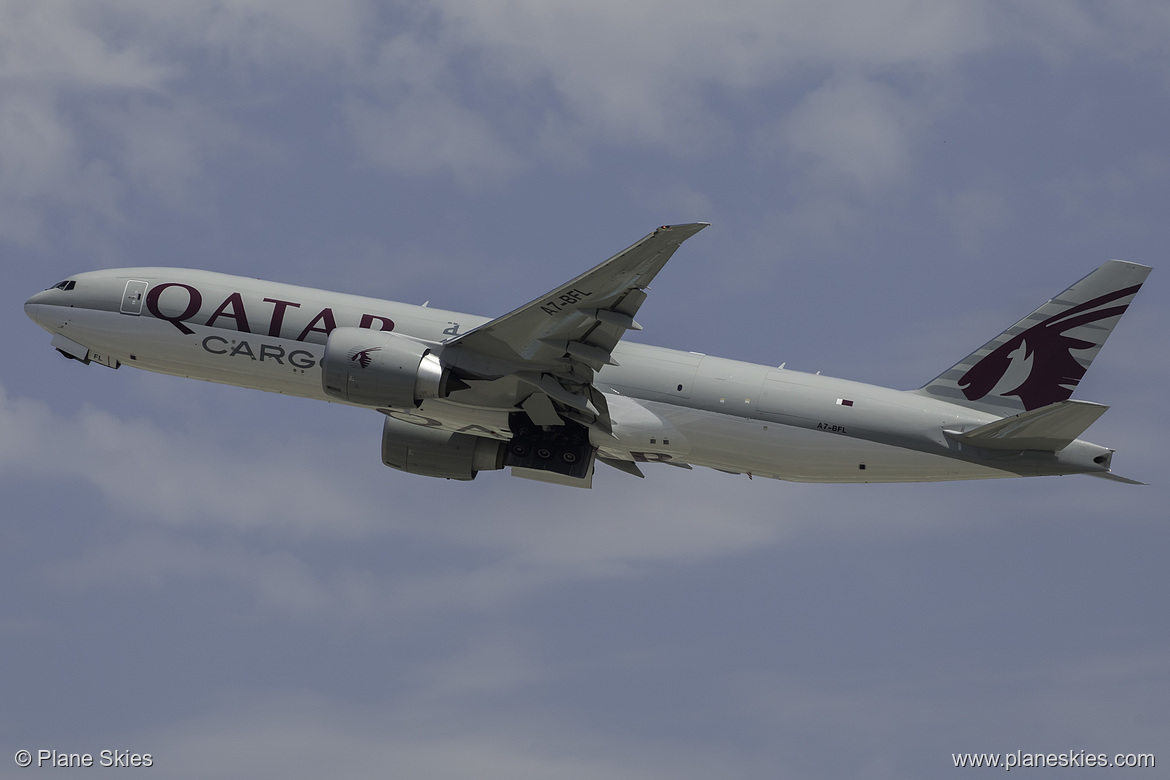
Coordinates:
[562,449]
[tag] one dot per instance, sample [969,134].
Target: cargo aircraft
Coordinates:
[551,389]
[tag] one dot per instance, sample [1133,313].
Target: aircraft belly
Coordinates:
[211,354]
[457,418]
[802,455]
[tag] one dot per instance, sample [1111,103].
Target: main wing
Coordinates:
[554,344]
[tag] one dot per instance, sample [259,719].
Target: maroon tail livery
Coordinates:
[1041,359]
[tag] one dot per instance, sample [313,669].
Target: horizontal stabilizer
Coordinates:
[1048,428]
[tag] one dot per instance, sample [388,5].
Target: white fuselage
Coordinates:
[666,405]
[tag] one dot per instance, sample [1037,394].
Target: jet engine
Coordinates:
[437,453]
[375,368]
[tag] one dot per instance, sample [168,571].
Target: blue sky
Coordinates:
[232,581]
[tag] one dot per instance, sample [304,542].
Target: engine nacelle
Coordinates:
[437,453]
[374,368]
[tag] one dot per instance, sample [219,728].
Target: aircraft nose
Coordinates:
[32,307]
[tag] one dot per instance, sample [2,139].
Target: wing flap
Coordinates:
[1048,428]
[541,410]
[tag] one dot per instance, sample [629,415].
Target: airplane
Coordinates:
[551,389]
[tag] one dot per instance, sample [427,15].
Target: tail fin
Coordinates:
[1032,364]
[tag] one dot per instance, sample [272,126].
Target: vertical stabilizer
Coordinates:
[1041,359]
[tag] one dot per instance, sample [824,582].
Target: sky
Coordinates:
[232,582]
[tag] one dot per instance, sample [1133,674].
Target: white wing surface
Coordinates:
[554,344]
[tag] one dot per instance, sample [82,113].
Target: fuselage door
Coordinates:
[132,298]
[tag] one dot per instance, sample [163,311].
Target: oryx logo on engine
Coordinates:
[362,357]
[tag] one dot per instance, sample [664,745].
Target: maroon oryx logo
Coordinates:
[362,357]
[1053,372]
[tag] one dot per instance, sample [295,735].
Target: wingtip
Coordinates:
[690,227]
[1115,478]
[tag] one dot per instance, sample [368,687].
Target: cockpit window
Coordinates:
[66,285]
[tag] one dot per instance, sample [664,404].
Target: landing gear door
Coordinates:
[132,298]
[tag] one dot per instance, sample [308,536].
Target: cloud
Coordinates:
[479,91]
[1130,31]
[241,588]
[908,724]
[645,73]
[59,45]
[427,134]
[245,37]
[483,559]
[492,82]
[976,215]
[171,476]
[104,102]
[309,735]
[54,66]
[42,168]
[488,666]
[854,130]
[162,148]
[278,580]
[180,484]
[47,53]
